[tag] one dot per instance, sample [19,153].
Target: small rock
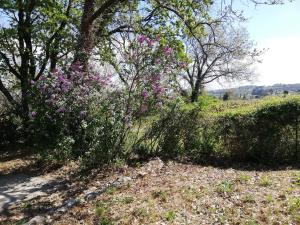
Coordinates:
[37,220]
[71,202]
[62,210]
[142,173]
[152,167]
[122,181]
[90,196]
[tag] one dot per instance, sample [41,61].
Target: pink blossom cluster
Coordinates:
[72,91]
[155,67]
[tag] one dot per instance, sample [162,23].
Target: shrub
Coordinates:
[82,115]
[62,111]
[11,128]
[265,134]
[264,131]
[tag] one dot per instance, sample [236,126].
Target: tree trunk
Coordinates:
[25,99]
[53,54]
[196,91]
[86,39]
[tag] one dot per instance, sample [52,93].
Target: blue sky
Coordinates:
[276,28]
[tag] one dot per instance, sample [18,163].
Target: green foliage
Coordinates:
[170,216]
[260,130]
[248,199]
[269,198]
[128,200]
[206,101]
[101,212]
[162,195]
[243,178]
[11,127]
[294,205]
[265,182]
[226,96]
[296,179]
[225,187]
[141,212]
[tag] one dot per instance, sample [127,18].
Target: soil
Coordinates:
[158,193]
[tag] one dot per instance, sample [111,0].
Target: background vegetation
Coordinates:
[108,81]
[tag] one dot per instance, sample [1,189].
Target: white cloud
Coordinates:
[281,62]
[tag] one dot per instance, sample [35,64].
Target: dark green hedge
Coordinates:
[267,134]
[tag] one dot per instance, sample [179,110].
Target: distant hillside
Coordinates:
[253,91]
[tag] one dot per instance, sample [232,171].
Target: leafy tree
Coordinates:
[224,53]
[103,19]
[226,96]
[39,35]
[29,41]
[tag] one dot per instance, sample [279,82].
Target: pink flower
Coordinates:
[143,108]
[61,78]
[145,94]
[33,114]
[142,38]
[157,89]
[61,109]
[150,42]
[168,51]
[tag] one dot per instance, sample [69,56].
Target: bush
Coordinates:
[267,134]
[10,125]
[62,110]
[264,132]
[80,115]
[180,131]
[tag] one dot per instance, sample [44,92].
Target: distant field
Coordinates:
[215,106]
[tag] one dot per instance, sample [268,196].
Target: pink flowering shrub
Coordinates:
[148,67]
[92,116]
[71,93]
[62,106]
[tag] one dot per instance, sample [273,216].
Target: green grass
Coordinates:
[162,195]
[269,198]
[265,181]
[236,107]
[243,178]
[248,199]
[170,216]
[225,187]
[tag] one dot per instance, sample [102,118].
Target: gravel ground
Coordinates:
[165,193]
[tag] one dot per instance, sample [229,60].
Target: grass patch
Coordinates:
[225,187]
[170,216]
[128,200]
[190,194]
[265,181]
[294,205]
[111,190]
[140,212]
[296,179]
[162,195]
[243,178]
[248,199]
[101,212]
[269,198]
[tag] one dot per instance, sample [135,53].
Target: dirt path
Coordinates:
[24,185]
[18,187]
